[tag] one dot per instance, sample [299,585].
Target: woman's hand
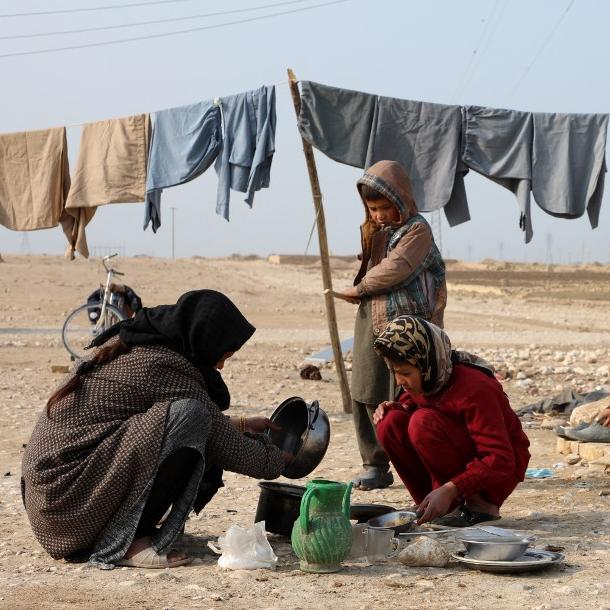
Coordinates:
[384,407]
[258,425]
[437,503]
[604,418]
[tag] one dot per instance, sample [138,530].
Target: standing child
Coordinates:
[402,272]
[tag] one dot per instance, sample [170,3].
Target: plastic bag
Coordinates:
[246,548]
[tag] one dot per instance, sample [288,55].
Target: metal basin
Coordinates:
[501,548]
[400,521]
[305,433]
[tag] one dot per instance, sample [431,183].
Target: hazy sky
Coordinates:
[407,49]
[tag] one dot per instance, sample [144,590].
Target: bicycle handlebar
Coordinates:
[108,270]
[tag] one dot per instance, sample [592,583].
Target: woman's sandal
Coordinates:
[150,559]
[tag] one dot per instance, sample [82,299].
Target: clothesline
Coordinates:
[279,84]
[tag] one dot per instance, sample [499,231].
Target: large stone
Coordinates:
[591,452]
[587,413]
[424,552]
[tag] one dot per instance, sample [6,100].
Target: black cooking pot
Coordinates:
[278,506]
[305,433]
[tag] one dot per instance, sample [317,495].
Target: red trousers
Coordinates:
[428,449]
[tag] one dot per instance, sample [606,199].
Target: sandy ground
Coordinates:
[545,328]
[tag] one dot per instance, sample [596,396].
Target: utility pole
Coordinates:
[173,209]
[25,243]
[549,249]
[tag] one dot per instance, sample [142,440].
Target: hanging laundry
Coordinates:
[497,144]
[559,158]
[568,164]
[244,163]
[111,168]
[359,129]
[185,141]
[34,179]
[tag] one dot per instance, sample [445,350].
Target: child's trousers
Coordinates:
[427,449]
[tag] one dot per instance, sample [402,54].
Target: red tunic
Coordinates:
[467,434]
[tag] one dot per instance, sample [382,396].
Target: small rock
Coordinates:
[425,584]
[127,583]
[565,590]
[572,459]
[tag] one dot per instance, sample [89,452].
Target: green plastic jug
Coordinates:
[322,535]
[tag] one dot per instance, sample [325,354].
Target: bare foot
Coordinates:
[142,543]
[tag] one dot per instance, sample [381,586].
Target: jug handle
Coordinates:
[315,409]
[304,512]
[347,496]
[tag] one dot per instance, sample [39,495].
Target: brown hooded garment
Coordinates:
[381,270]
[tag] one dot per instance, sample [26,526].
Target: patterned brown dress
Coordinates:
[89,466]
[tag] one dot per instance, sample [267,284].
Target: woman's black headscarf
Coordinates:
[202,326]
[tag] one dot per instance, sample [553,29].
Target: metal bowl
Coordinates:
[400,521]
[305,433]
[501,548]
[363,512]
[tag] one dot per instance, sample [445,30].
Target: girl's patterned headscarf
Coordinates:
[426,347]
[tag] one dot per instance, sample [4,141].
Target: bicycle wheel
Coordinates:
[82,326]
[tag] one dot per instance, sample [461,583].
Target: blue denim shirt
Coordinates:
[184,143]
[244,163]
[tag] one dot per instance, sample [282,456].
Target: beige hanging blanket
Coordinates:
[34,179]
[111,168]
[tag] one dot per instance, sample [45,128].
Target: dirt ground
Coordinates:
[544,328]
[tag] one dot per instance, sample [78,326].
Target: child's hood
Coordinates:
[391,180]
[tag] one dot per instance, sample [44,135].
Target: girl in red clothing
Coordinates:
[452,436]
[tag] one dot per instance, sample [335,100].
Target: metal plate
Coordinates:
[531,560]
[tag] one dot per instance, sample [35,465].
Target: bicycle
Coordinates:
[91,319]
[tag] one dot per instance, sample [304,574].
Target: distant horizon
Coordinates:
[313,257]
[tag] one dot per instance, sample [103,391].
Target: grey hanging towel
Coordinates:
[244,163]
[360,129]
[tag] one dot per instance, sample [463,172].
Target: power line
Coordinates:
[174,33]
[541,49]
[153,22]
[473,56]
[479,52]
[91,8]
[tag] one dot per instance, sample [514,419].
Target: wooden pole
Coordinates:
[331,315]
